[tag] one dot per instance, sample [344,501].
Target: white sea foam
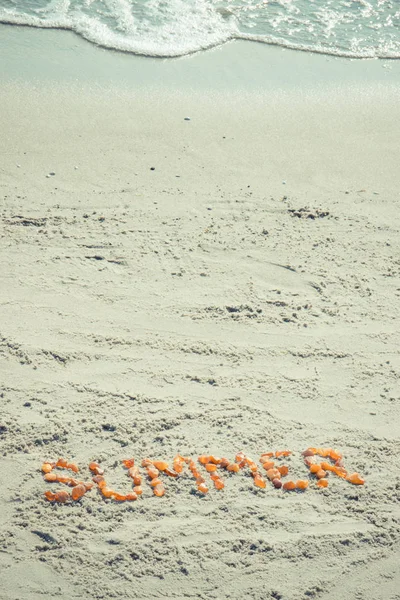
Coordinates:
[167,28]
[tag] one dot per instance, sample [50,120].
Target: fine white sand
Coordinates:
[243,295]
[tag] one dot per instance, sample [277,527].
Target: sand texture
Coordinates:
[201,307]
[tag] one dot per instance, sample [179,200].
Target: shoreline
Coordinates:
[233,37]
[240,65]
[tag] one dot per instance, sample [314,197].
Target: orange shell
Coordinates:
[50,477]
[152,472]
[322,483]
[61,463]
[283,470]
[335,455]
[61,496]
[301,484]
[340,472]
[309,452]
[325,465]
[315,468]
[119,497]
[202,488]
[259,481]
[355,479]
[146,462]
[161,465]
[321,474]
[324,452]
[155,481]
[273,474]
[98,479]
[107,492]
[268,464]
[240,456]
[178,466]
[210,467]
[289,485]
[159,490]
[78,491]
[47,467]
[171,473]
[218,484]
[50,496]
[203,459]
[233,468]
[73,467]
[62,479]
[129,462]
[215,460]
[252,466]
[138,490]
[131,496]
[95,468]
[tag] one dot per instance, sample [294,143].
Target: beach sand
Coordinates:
[224,283]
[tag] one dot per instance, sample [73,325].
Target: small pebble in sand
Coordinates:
[187,119]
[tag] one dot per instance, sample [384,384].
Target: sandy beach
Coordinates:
[198,260]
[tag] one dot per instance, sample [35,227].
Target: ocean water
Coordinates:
[167,28]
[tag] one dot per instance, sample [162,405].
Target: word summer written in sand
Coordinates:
[206,466]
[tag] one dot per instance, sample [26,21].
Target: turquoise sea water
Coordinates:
[353,28]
